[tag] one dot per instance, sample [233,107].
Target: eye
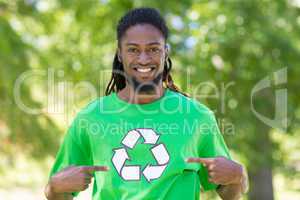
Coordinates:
[154,50]
[132,50]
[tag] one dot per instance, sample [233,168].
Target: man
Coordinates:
[145,139]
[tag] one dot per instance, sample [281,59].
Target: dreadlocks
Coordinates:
[140,16]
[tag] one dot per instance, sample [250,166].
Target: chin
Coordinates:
[146,83]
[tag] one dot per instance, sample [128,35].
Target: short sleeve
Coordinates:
[74,150]
[210,144]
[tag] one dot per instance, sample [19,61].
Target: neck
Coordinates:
[131,96]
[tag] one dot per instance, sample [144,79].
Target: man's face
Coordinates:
[142,52]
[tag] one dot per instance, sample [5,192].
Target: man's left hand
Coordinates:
[221,170]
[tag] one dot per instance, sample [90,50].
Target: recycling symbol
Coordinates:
[134,172]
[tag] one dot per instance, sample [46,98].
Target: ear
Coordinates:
[119,55]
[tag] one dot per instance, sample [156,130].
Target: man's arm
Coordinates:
[51,195]
[234,191]
[70,179]
[230,175]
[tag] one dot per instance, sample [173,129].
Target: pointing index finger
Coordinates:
[101,168]
[205,161]
[92,169]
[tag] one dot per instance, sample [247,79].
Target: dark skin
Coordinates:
[142,50]
[230,175]
[71,179]
[142,46]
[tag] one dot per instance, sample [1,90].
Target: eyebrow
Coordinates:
[134,44]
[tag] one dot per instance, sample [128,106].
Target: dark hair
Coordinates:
[133,17]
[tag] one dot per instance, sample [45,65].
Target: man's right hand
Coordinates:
[73,179]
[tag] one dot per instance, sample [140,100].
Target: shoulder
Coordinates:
[94,107]
[192,103]
[87,116]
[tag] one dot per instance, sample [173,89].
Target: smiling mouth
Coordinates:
[144,70]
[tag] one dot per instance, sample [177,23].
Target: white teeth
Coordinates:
[143,70]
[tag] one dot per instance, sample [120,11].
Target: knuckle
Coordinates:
[222,158]
[81,168]
[211,180]
[81,176]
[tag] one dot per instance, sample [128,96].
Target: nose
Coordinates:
[144,58]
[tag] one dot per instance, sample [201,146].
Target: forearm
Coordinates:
[234,191]
[51,195]
[230,192]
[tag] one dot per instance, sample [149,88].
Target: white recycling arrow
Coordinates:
[160,153]
[149,135]
[153,172]
[131,138]
[119,158]
[131,173]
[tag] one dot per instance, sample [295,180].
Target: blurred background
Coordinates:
[238,57]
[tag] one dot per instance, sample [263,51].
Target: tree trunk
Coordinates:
[261,187]
[260,172]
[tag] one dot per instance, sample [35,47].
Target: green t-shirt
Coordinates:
[145,147]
